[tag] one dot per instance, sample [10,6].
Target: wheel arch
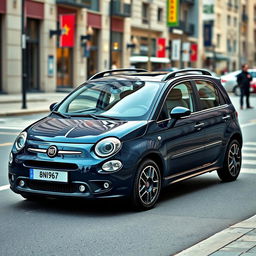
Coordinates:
[237,137]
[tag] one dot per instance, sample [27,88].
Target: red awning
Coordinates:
[94,20]
[2,6]
[34,10]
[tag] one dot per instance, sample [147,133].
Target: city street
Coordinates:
[187,212]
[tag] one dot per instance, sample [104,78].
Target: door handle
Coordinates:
[226,117]
[199,126]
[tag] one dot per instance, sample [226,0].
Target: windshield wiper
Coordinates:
[60,114]
[96,117]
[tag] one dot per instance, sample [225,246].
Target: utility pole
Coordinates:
[110,33]
[149,64]
[23,46]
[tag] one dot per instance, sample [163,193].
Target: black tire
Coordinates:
[232,163]
[237,90]
[147,186]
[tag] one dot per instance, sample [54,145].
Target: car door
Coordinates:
[182,140]
[216,115]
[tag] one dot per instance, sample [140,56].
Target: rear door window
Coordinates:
[208,94]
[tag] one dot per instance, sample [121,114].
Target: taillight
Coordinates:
[223,80]
[236,113]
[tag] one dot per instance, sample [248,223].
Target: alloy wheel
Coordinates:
[149,185]
[234,159]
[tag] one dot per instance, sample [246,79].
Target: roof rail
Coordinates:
[101,74]
[174,73]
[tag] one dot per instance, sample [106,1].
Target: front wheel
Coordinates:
[232,163]
[147,185]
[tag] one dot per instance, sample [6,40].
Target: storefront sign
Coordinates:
[194,51]
[186,52]
[172,13]
[50,65]
[176,49]
[161,44]
[208,10]
[67,26]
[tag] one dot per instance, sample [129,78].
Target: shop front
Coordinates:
[65,47]
[34,17]
[91,50]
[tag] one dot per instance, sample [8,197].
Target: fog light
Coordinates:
[82,188]
[22,183]
[106,185]
[112,166]
[10,158]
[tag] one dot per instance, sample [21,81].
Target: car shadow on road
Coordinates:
[111,207]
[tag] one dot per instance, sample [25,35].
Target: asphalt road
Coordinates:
[187,212]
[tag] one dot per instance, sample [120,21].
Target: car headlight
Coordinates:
[20,141]
[107,147]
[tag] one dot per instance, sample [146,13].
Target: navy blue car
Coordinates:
[129,133]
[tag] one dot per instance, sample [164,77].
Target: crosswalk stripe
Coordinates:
[4,187]
[249,148]
[248,170]
[250,162]
[250,143]
[249,155]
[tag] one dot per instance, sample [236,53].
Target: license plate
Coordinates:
[59,176]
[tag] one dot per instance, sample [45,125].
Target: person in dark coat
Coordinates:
[243,81]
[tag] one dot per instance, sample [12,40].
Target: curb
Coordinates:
[220,239]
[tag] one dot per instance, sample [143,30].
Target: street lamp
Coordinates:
[149,64]
[110,32]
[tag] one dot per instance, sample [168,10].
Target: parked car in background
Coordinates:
[230,84]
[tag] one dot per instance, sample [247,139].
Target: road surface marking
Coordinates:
[9,133]
[250,143]
[251,123]
[249,148]
[2,188]
[250,162]
[6,144]
[248,170]
[11,128]
[249,155]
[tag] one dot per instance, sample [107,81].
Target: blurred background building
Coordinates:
[69,40]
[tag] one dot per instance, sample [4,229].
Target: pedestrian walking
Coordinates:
[243,81]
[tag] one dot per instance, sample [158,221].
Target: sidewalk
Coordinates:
[10,105]
[239,239]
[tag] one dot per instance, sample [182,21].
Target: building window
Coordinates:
[160,14]
[218,40]
[229,20]
[145,13]
[92,4]
[229,48]
[235,21]
[234,46]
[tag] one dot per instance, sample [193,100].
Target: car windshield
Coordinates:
[118,99]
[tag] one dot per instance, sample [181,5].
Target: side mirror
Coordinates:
[179,112]
[53,106]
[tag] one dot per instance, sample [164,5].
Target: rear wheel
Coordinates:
[237,90]
[232,162]
[147,185]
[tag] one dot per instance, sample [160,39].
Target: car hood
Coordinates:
[84,130]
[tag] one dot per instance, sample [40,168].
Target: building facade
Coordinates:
[215,34]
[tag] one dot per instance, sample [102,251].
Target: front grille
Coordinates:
[50,186]
[50,165]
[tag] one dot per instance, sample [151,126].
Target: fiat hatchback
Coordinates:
[129,133]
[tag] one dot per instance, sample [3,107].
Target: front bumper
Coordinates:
[84,170]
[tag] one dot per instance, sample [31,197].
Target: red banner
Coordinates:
[161,43]
[194,50]
[67,26]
